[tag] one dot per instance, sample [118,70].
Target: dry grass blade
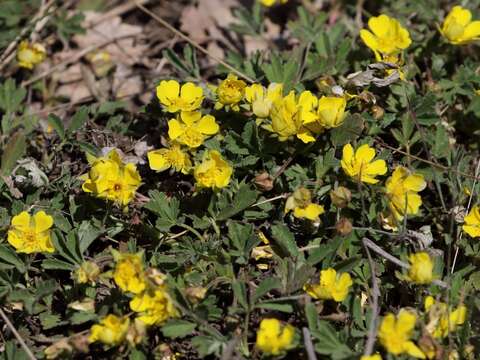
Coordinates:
[17,335]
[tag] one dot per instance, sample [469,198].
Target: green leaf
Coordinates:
[349,131]
[57,124]
[79,119]
[440,144]
[240,292]
[55,264]
[265,286]
[244,198]
[13,151]
[49,320]
[10,257]
[286,308]
[168,209]
[327,341]
[87,233]
[178,328]
[285,240]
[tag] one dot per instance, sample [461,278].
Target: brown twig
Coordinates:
[17,335]
[372,331]
[438,166]
[472,191]
[370,244]
[193,43]
[307,340]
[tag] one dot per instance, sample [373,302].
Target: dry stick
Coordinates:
[75,58]
[472,191]
[17,335]
[372,331]
[193,43]
[439,166]
[370,244]
[307,339]
[283,196]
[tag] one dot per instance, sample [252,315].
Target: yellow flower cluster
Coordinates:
[442,319]
[458,27]
[359,164]
[110,179]
[275,338]
[402,191]
[305,116]
[30,54]
[151,301]
[31,234]
[396,331]
[387,38]
[112,330]
[332,286]
[301,204]
[189,130]
[421,268]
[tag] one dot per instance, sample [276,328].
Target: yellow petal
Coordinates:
[21,221]
[207,125]
[42,221]
[413,350]
[175,129]
[157,160]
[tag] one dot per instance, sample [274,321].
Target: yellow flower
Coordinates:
[154,306]
[230,92]
[172,157]
[443,320]
[402,188]
[472,222]
[395,333]
[274,338]
[262,99]
[31,234]
[301,204]
[331,111]
[128,273]
[387,36]
[371,357]
[458,27]
[359,165]
[289,115]
[192,128]
[270,3]
[112,330]
[332,286]
[188,97]
[109,178]
[421,268]
[30,54]
[213,172]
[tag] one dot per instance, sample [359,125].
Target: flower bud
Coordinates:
[87,273]
[343,226]
[340,196]
[377,112]
[263,181]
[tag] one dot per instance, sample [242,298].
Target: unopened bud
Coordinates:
[344,227]
[87,273]
[264,182]
[340,196]
[377,112]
